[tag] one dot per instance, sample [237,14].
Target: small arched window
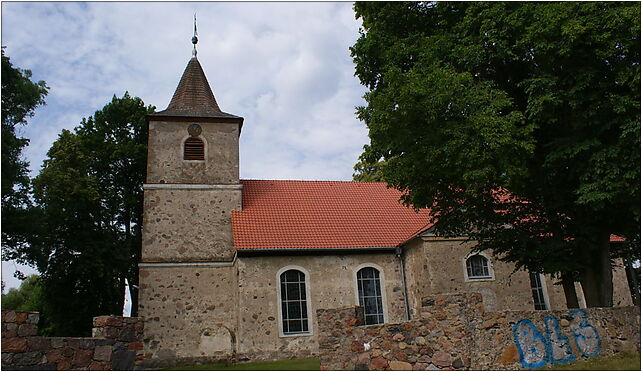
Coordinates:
[477,267]
[369,286]
[294,306]
[194,149]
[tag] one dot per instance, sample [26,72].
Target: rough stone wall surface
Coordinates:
[455,333]
[441,340]
[189,311]
[332,284]
[165,153]
[189,225]
[116,345]
[510,340]
[438,266]
[435,265]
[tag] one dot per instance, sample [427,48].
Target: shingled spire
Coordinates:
[193,96]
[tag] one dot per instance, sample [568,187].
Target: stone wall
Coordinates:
[331,283]
[453,332]
[184,224]
[115,345]
[437,265]
[189,312]
[165,162]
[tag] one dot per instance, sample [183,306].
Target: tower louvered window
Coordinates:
[194,149]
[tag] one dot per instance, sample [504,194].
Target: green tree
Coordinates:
[365,171]
[20,97]
[469,100]
[26,298]
[89,192]
[116,140]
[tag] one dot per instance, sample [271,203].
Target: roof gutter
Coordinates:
[243,252]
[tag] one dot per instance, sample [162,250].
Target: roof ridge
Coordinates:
[342,181]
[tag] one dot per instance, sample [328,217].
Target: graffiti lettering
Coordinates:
[586,337]
[560,346]
[536,350]
[530,344]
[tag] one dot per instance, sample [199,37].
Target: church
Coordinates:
[234,268]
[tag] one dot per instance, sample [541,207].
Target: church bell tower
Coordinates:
[187,274]
[192,175]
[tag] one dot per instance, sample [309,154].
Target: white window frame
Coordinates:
[382,283]
[182,154]
[491,272]
[542,280]
[308,303]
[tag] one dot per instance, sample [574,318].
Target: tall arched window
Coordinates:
[477,267]
[369,286]
[294,307]
[194,149]
[537,289]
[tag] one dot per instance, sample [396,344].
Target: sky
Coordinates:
[284,67]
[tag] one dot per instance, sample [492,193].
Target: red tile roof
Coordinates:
[616,238]
[323,214]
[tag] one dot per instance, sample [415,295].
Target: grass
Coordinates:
[617,362]
[309,364]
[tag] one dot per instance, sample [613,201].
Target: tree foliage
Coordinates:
[20,98]
[89,194]
[26,298]
[365,171]
[517,123]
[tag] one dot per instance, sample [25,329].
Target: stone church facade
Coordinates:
[238,268]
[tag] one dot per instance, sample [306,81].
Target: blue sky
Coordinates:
[284,67]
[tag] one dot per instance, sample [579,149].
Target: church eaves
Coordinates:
[194,97]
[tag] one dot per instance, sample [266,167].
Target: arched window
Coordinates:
[538,289]
[294,307]
[477,267]
[194,149]
[369,286]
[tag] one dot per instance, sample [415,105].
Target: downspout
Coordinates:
[398,252]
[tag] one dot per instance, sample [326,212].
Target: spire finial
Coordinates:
[194,38]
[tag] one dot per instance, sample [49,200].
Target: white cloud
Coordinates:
[284,67]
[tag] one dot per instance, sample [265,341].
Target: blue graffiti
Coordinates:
[536,350]
[587,339]
[559,344]
[536,353]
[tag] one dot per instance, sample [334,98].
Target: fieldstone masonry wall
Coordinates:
[454,333]
[115,345]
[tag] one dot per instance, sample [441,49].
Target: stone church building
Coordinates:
[235,267]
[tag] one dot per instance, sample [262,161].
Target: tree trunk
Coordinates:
[597,277]
[569,291]
[634,283]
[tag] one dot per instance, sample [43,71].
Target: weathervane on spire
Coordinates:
[194,38]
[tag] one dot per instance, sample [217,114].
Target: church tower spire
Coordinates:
[194,38]
[193,97]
